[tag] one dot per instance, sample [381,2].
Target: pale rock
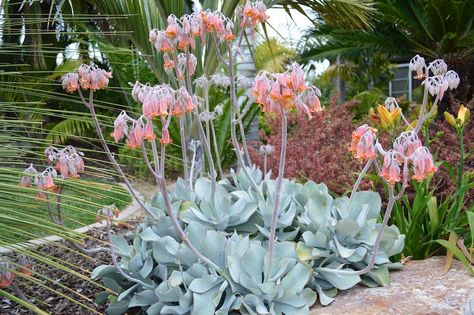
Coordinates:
[421,287]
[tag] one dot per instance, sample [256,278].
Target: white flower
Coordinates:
[242,81]
[417,63]
[452,79]
[202,82]
[438,67]
[437,85]
[220,80]
[266,149]
[390,103]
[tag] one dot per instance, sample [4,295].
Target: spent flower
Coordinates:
[27,179]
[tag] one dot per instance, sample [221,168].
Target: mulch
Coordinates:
[78,289]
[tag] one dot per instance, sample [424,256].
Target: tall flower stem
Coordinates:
[182,123]
[90,106]
[216,150]
[279,181]
[233,133]
[193,162]
[208,127]
[147,162]
[116,264]
[386,217]
[20,294]
[265,158]
[460,132]
[207,149]
[423,105]
[182,137]
[236,106]
[169,210]
[359,180]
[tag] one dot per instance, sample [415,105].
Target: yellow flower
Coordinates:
[463,114]
[463,117]
[412,125]
[450,119]
[387,118]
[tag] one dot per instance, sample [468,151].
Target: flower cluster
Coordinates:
[162,100]
[266,149]
[67,161]
[181,33]
[6,274]
[107,213]
[407,150]
[277,91]
[8,270]
[157,101]
[253,14]
[87,77]
[363,141]
[136,132]
[441,79]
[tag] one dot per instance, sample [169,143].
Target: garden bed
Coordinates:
[420,288]
[80,290]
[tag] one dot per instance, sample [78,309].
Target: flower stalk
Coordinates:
[279,182]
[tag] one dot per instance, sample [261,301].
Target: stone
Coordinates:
[421,287]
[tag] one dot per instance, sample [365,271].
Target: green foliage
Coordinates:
[79,201]
[273,56]
[322,241]
[426,219]
[432,28]
[368,99]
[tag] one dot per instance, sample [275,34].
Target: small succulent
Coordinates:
[228,210]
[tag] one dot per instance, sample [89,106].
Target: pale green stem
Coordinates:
[174,220]
[182,137]
[147,161]
[216,150]
[265,157]
[116,264]
[423,105]
[90,106]
[236,106]
[460,132]
[20,294]
[182,133]
[206,99]
[276,202]
[193,161]
[359,180]
[386,217]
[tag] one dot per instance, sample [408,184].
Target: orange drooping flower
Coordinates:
[363,142]
[423,165]
[149,134]
[165,136]
[391,168]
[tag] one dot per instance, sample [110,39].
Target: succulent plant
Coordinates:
[338,238]
[327,240]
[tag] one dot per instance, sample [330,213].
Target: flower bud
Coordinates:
[463,115]
[450,119]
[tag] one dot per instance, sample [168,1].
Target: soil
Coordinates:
[81,290]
